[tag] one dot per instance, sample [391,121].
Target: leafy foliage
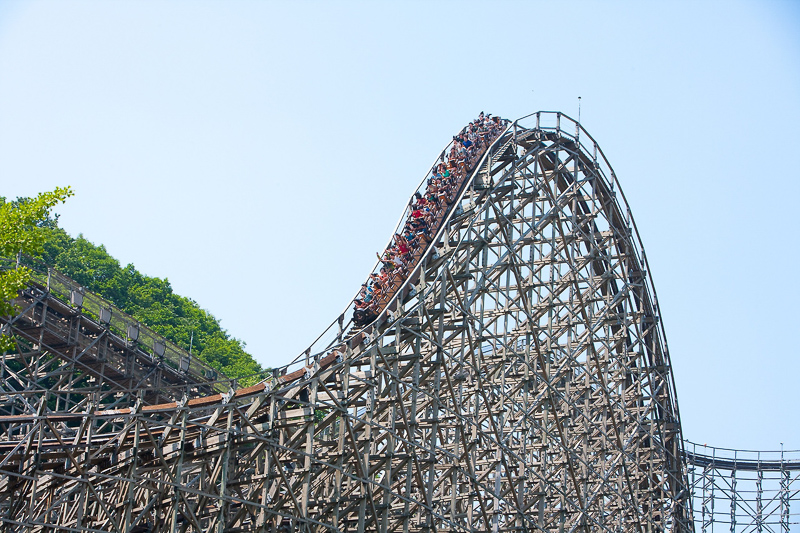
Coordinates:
[23,231]
[26,226]
[22,223]
[150,300]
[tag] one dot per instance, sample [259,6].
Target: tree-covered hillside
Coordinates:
[24,225]
[149,300]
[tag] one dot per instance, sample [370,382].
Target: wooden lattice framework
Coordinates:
[519,381]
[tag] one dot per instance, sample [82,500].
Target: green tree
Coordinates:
[23,230]
[149,300]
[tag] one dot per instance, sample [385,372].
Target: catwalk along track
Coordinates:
[508,371]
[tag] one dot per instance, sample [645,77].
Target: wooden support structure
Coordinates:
[518,380]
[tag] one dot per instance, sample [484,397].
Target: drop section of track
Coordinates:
[428,208]
[424,215]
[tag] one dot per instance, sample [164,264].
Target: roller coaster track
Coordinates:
[518,379]
[744,490]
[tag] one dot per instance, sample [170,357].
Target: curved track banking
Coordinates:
[517,379]
[743,490]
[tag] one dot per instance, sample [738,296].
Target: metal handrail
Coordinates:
[736,451]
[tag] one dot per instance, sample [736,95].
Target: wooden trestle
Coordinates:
[519,381]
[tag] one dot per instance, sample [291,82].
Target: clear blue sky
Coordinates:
[258,154]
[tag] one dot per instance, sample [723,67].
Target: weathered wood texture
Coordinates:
[521,384]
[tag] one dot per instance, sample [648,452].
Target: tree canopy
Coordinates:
[26,226]
[149,300]
[23,230]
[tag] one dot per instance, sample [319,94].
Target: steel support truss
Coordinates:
[744,490]
[519,381]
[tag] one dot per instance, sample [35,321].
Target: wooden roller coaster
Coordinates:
[516,379]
